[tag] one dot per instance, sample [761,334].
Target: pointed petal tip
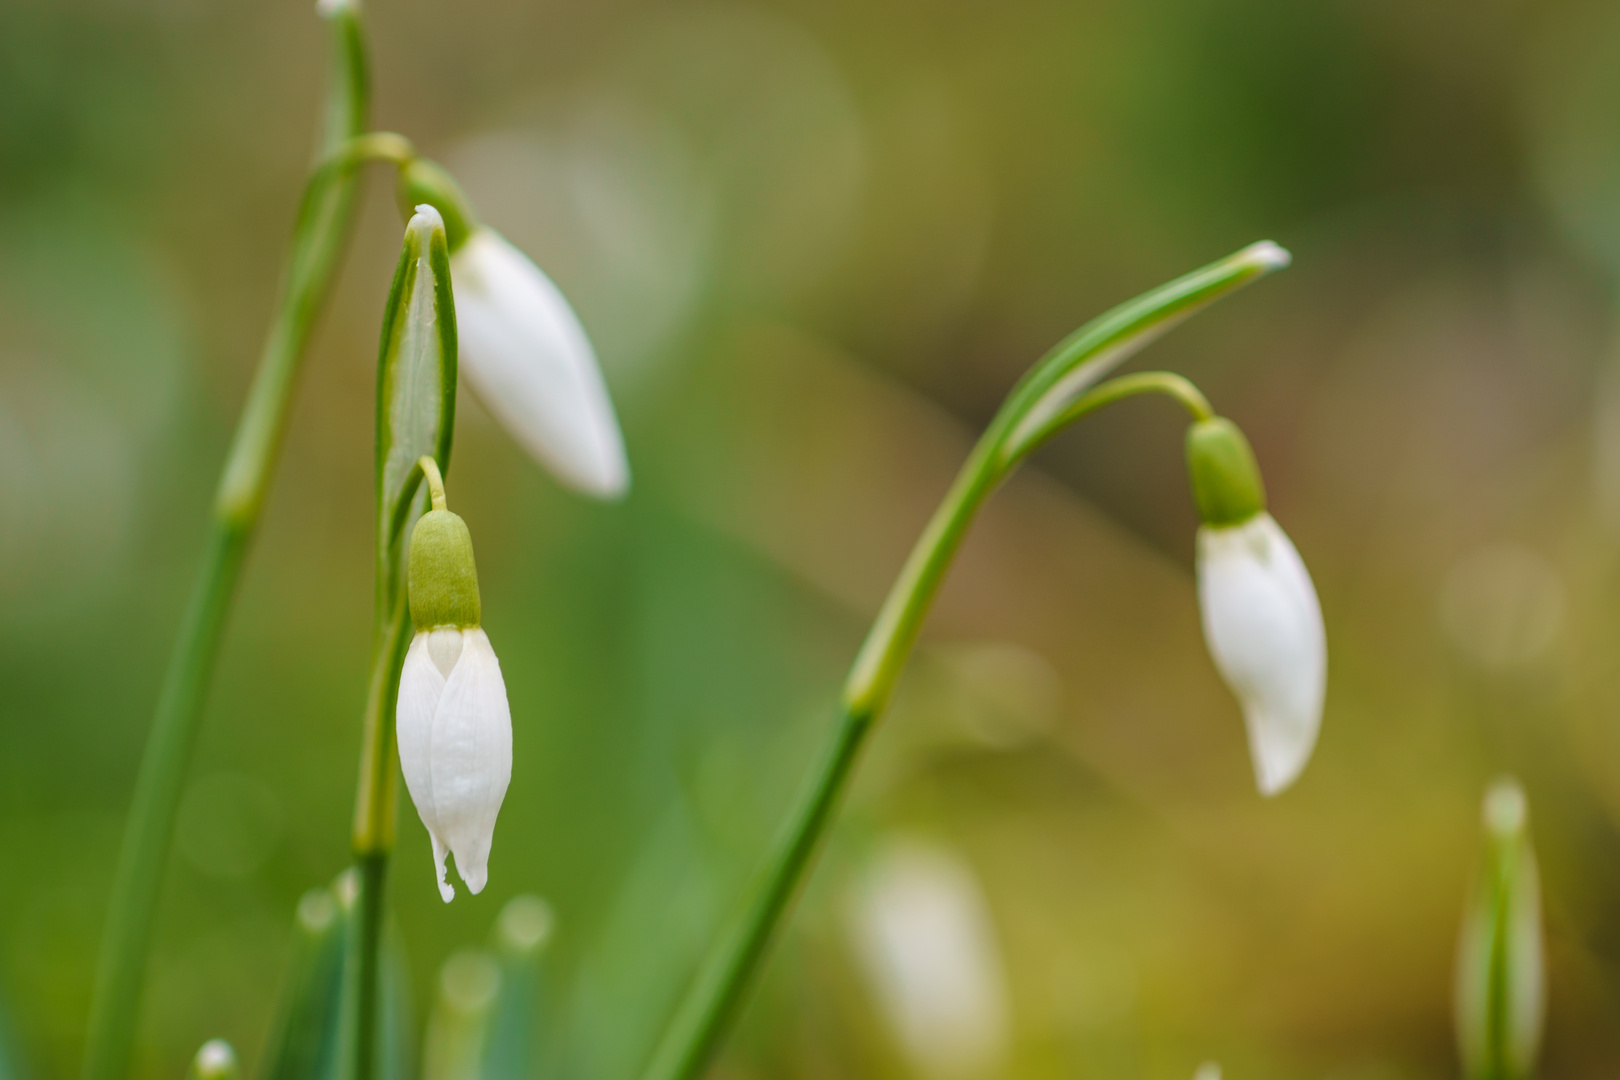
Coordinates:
[611,483]
[447,892]
[1277,766]
[1268,254]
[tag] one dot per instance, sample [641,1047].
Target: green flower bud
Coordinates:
[440,576]
[1225,480]
[424,181]
[1501,985]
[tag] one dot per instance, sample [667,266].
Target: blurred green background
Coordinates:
[815,243]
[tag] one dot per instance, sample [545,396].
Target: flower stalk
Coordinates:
[1501,982]
[1060,389]
[416,408]
[319,238]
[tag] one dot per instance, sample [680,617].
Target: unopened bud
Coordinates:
[1501,987]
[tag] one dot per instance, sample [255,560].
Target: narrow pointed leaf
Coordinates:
[1091,352]
[522,933]
[416,383]
[303,1043]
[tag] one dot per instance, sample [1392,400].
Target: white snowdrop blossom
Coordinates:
[527,358]
[455,746]
[1264,628]
[923,932]
[453,722]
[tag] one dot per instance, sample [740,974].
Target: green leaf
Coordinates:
[1076,364]
[522,933]
[416,389]
[1501,980]
[303,1043]
[307,1041]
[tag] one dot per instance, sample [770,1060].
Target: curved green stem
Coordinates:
[317,243]
[435,482]
[1114,390]
[1052,392]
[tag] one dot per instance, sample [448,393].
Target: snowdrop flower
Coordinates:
[523,349]
[1501,983]
[1261,618]
[454,725]
[923,933]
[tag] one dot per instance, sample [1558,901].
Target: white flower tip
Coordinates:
[1278,761]
[608,477]
[1209,1070]
[475,879]
[1267,255]
[1505,808]
[447,891]
[216,1059]
[426,220]
[331,9]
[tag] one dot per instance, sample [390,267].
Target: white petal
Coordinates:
[447,891]
[528,359]
[420,688]
[443,648]
[924,933]
[471,757]
[1264,629]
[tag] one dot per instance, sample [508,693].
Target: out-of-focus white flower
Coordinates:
[1264,629]
[527,358]
[216,1060]
[1261,617]
[923,933]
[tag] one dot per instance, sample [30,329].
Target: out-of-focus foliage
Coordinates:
[815,244]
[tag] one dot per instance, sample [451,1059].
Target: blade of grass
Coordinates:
[317,243]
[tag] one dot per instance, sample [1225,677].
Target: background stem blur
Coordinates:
[317,243]
[1055,388]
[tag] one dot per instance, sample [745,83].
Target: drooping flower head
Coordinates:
[454,724]
[523,349]
[1261,618]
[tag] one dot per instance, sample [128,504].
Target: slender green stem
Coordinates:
[317,244]
[374,828]
[1052,394]
[1115,390]
[157,794]
[435,482]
